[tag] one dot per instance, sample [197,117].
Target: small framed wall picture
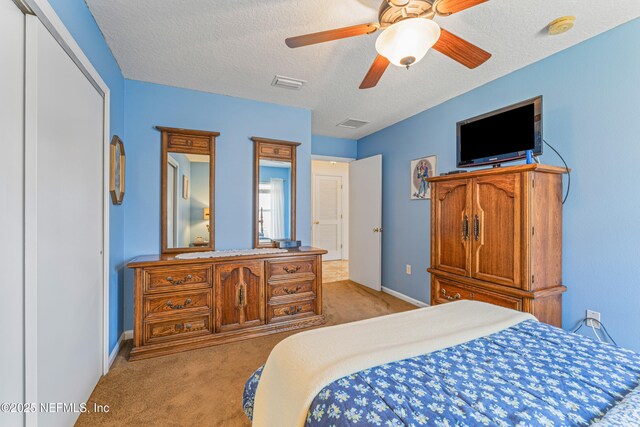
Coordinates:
[421,169]
[185,187]
[116,170]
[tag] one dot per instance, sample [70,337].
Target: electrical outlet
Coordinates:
[593,315]
[409,269]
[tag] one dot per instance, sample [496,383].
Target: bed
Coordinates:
[476,365]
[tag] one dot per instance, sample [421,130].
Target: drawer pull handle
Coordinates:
[241,297]
[180,281]
[181,326]
[179,307]
[292,270]
[449,297]
[291,311]
[292,291]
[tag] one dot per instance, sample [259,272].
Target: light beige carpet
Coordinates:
[204,387]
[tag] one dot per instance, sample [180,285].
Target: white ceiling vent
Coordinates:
[288,82]
[352,124]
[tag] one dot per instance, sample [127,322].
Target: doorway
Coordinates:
[346,213]
[330,215]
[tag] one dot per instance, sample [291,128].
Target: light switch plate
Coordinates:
[409,269]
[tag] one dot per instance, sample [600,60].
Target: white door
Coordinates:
[327,215]
[365,222]
[70,199]
[12,209]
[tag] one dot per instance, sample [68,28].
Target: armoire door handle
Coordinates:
[476,228]
[465,228]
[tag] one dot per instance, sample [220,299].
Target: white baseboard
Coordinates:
[116,349]
[126,335]
[404,297]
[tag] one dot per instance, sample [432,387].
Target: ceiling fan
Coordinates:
[408,32]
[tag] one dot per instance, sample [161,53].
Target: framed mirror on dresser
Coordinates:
[187,190]
[274,191]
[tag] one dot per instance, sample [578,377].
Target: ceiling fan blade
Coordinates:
[327,36]
[376,71]
[460,50]
[448,7]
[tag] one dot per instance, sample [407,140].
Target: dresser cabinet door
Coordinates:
[496,229]
[239,295]
[451,225]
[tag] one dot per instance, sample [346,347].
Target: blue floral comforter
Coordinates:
[531,374]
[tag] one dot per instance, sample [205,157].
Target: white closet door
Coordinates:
[327,223]
[70,231]
[11,208]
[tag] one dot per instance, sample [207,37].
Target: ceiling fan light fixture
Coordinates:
[408,41]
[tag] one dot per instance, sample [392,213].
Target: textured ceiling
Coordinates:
[237,47]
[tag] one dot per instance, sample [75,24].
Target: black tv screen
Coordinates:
[502,135]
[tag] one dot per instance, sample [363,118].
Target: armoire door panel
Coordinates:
[452,227]
[496,229]
[239,299]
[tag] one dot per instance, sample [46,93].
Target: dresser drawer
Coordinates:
[291,290]
[447,291]
[290,310]
[275,151]
[177,141]
[168,330]
[176,278]
[291,269]
[176,303]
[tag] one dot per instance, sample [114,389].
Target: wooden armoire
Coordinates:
[496,236]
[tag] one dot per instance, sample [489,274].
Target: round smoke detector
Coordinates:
[561,25]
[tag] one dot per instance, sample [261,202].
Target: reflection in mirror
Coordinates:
[274,201]
[187,200]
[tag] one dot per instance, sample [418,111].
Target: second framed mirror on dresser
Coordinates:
[187,190]
[274,191]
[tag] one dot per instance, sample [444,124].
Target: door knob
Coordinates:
[377,230]
[316,222]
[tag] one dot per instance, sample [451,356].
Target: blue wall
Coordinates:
[334,147]
[591,109]
[76,17]
[237,120]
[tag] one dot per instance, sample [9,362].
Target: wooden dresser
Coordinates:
[187,304]
[496,236]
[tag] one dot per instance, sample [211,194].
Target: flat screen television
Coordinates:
[502,135]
